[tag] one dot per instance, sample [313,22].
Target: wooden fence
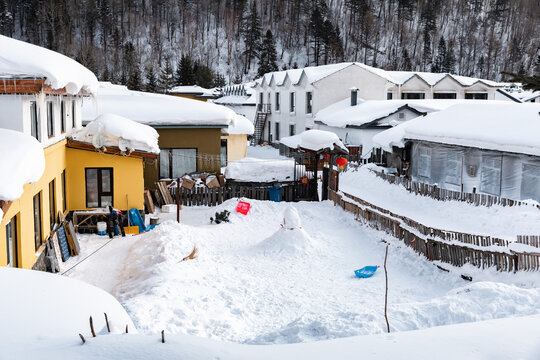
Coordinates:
[434,192]
[447,246]
[203,196]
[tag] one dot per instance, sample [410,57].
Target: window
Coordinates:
[73,118]
[424,162]
[389,96]
[444,95]
[277,132]
[261,100]
[277,101]
[223,152]
[476,96]
[64,197]
[35,128]
[269,99]
[11,243]
[413,96]
[52,203]
[50,119]
[175,163]
[37,220]
[269,131]
[529,182]
[292,129]
[63,117]
[309,102]
[453,168]
[99,187]
[292,102]
[490,181]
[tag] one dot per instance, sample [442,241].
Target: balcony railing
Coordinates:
[264,108]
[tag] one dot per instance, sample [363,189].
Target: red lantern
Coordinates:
[341,161]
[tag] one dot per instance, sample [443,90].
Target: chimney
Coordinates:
[354,96]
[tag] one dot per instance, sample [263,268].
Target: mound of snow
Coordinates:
[315,140]
[115,130]
[241,125]
[24,59]
[41,305]
[260,170]
[291,239]
[22,161]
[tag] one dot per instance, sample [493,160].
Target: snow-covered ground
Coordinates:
[496,221]
[255,283]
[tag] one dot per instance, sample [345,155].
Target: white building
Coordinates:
[241,99]
[288,100]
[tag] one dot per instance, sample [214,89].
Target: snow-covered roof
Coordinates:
[21,59]
[316,73]
[508,127]
[155,109]
[341,114]
[193,89]
[314,140]
[114,130]
[248,99]
[22,161]
[260,170]
[240,126]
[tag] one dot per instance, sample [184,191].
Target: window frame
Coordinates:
[73,110]
[476,96]
[292,102]
[11,228]
[100,192]
[38,221]
[224,160]
[34,121]
[64,192]
[52,203]
[292,129]
[278,103]
[50,119]
[445,95]
[63,117]
[405,96]
[309,102]
[276,132]
[389,96]
[171,170]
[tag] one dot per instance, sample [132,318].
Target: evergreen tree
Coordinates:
[426,54]
[267,55]
[166,76]
[6,19]
[186,76]
[106,75]
[178,73]
[151,80]
[537,65]
[405,9]
[204,76]
[449,63]
[251,34]
[220,81]
[134,81]
[480,67]
[317,34]
[438,64]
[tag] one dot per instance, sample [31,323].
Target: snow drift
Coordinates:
[22,161]
[115,130]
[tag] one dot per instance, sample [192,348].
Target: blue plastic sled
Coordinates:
[135,219]
[366,271]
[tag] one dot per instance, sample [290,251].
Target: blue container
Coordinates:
[274,193]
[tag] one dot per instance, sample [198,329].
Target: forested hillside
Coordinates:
[154,44]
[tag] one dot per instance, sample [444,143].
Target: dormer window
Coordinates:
[476,96]
[413,96]
[444,96]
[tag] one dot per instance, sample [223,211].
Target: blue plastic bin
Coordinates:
[274,193]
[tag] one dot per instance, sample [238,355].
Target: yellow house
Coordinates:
[40,101]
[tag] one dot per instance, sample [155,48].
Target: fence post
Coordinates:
[178,200]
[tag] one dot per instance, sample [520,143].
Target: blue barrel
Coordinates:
[274,193]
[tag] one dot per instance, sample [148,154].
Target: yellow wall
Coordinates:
[127,177]
[206,141]
[236,147]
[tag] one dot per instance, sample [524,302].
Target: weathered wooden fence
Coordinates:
[435,192]
[447,246]
[203,196]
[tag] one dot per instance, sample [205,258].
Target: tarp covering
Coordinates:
[512,176]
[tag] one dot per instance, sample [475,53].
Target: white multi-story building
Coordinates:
[288,100]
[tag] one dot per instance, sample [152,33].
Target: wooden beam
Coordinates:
[31,86]
[111,150]
[4,205]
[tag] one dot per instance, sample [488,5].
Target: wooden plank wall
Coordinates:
[447,246]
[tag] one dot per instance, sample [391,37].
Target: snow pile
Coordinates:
[315,140]
[115,130]
[23,59]
[507,127]
[62,310]
[230,293]
[156,109]
[290,240]
[22,161]
[241,125]
[260,170]
[497,221]
[193,89]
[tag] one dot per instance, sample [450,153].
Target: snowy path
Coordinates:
[239,290]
